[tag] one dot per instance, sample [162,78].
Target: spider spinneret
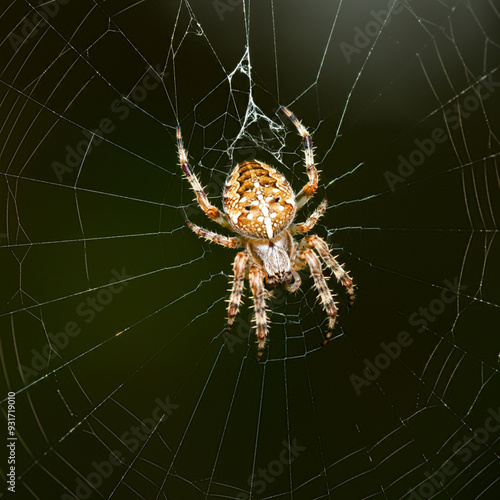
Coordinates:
[260,206]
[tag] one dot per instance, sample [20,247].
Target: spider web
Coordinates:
[123,382]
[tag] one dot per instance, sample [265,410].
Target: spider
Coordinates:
[260,206]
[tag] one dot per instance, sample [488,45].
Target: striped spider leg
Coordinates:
[210,210]
[312,185]
[306,255]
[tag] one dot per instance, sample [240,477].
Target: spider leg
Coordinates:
[295,284]
[256,278]
[310,188]
[239,268]
[225,241]
[210,210]
[342,276]
[324,292]
[310,222]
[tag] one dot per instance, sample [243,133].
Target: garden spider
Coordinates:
[260,206]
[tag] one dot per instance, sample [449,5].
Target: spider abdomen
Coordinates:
[258,200]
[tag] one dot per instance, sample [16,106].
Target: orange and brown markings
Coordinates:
[258,200]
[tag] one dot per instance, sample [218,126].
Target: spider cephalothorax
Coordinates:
[260,206]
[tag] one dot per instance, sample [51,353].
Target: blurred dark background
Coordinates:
[113,312]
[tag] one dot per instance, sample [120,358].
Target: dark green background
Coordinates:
[162,334]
